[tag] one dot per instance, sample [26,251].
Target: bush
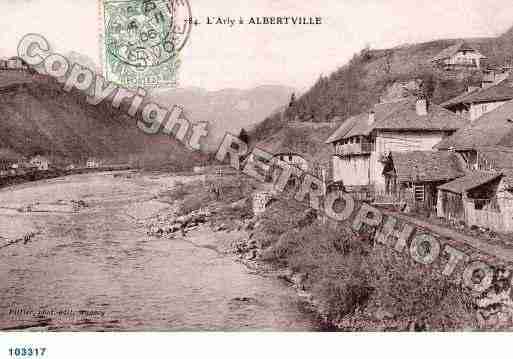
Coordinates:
[345,274]
[414,292]
[279,218]
[334,266]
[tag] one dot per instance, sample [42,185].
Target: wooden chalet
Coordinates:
[459,56]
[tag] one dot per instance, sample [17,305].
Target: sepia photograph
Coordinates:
[258,166]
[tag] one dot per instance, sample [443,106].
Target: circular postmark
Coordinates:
[146,33]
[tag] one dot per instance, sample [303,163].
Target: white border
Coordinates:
[259,345]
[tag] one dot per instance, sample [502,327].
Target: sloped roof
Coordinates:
[470,181]
[453,50]
[400,115]
[494,128]
[345,127]
[426,166]
[405,117]
[502,91]
[299,139]
[459,99]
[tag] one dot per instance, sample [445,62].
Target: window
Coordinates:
[479,204]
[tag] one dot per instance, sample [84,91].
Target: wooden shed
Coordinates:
[484,199]
[414,176]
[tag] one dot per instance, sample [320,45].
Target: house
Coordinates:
[40,162]
[485,140]
[93,163]
[483,199]
[459,56]
[301,144]
[362,143]
[413,177]
[484,196]
[475,103]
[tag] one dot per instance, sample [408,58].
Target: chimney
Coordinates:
[372,117]
[421,106]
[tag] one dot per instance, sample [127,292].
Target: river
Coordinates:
[100,261]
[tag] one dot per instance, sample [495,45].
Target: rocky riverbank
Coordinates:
[206,228]
[349,280]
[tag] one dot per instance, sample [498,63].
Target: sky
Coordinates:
[245,56]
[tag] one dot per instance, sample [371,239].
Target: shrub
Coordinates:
[414,292]
[344,273]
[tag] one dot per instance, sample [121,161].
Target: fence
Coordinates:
[485,219]
[487,214]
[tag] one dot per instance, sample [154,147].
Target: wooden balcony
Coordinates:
[349,149]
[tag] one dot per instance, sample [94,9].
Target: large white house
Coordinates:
[363,142]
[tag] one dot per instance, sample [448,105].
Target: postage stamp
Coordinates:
[141,41]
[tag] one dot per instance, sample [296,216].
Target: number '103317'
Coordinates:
[27,352]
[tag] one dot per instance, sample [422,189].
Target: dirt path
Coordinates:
[500,252]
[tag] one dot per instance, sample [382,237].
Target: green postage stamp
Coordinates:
[141,41]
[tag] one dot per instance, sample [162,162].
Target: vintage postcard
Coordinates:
[185,165]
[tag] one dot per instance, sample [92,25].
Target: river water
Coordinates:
[98,270]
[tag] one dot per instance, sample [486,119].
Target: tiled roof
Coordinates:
[426,166]
[459,99]
[299,139]
[470,181]
[503,91]
[494,128]
[345,127]
[500,92]
[453,50]
[401,116]
[405,117]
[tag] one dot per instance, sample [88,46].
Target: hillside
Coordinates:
[227,110]
[359,84]
[38,117]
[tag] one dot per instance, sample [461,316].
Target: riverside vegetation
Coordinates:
[350,281]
